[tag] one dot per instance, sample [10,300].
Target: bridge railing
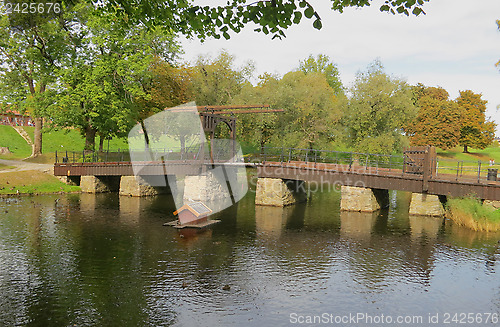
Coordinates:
[466,170]
[449,169]
[189,153]
[352,159]
[220,153]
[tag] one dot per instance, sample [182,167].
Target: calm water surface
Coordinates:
[107,260]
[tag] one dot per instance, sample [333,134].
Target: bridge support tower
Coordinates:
[423,204]
[363,199]
[279,192]
[137,186]
[99,184]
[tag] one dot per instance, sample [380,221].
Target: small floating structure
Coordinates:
[194,215]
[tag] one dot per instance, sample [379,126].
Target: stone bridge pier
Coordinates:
[125,185]
[363,199]
[279,192]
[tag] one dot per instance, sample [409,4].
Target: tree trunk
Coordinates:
[146,136]
[101,143]
[37,143]
[89,138]
[466,150]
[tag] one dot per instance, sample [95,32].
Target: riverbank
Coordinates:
[32,182]
[473,214]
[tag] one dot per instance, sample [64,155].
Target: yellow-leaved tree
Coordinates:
[476,131]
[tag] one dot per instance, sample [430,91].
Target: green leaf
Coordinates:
[297,17]
[384,8]
[317,24]
[309,12]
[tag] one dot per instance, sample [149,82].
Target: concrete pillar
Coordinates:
[278,192]
[363,199]
[136,186]
[426,205]
[205,188]
[94,184]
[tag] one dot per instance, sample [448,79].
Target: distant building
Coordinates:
[15,118]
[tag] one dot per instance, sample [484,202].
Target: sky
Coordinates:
[455,46]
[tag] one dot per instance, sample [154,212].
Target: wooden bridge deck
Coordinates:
[380,178]
[418,170]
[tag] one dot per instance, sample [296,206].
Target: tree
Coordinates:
[32,49]
[376,110]
[270,16]
[104,87]
[475,130]
[322,64]
[216,81]
[438,120]
[309,111]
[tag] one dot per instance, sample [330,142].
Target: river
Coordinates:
[106,260]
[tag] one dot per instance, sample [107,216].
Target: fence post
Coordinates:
[350,161]
[56,156]
[458,168]
[427,169]
[478,171]
[289,154]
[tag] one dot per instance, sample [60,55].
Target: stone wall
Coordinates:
[278,192]
[426,205]
[205,188]
[94,184]
[136,186]
[363,199]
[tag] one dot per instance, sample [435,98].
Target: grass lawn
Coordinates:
[31,182]
[16,144]
[61,141]
[71,140]
[491,152]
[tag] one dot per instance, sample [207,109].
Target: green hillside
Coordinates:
[61,141]
[491,152]
[16,144]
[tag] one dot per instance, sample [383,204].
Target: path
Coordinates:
[22,165]
[26,137]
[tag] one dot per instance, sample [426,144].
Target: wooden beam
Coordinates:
[248,111]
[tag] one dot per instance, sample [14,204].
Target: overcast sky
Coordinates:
[455,45]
